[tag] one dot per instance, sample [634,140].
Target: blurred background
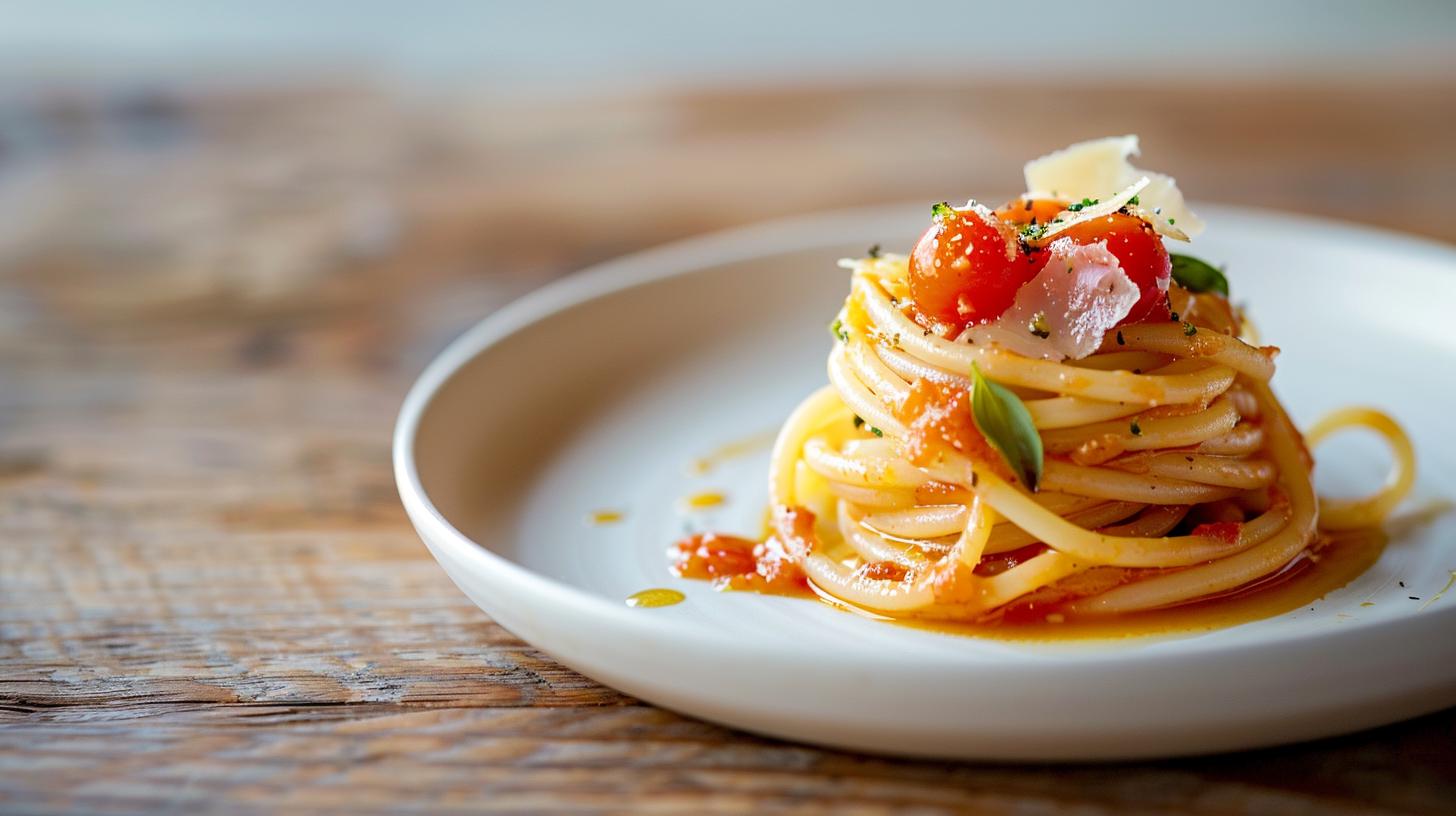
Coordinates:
[231,234]
[405,166]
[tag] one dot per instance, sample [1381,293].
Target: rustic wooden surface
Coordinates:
[211,304]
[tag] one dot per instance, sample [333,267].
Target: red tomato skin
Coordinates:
[966,269]
[1024,211]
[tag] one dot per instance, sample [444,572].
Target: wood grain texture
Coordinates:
[210,307]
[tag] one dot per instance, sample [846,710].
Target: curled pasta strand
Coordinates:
[1369,511]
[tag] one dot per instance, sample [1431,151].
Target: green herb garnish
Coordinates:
[1198,276]
[942,210]
[1038,326]
[860,423]
[1033,231]
[874,251]
[1132,202]
[1002,418]
[1135,428]
[1189,329]
[1082,205]
[837,329]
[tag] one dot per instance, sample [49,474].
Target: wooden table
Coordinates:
[210,307]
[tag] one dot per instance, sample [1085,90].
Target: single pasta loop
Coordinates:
[1350,514]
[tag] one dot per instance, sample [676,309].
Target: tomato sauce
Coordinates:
[732,562]
[1332,561]
[939,415]
[1225,531]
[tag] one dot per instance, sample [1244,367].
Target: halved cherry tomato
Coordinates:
[966,268]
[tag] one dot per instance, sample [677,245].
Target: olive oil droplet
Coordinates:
[650,598]
[702,501]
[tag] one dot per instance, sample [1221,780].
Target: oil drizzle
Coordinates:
[702,501]
[732,450]
[1449,583]
[653,598]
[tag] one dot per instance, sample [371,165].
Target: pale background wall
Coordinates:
[533,44]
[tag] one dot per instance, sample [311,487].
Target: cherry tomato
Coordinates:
[966,268]
[1024,211]
[960,272]
[1140,252]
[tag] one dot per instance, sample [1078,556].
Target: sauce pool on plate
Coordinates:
[730,563]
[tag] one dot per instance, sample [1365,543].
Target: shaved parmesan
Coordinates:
[1098,169]
[1065,311]
[1160,224]
[1068,219]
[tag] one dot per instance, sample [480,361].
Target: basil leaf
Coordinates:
[1002,418]
[1198,276]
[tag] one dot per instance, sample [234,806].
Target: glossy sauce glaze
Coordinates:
[1331,562]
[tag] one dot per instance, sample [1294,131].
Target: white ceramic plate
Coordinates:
[598,391]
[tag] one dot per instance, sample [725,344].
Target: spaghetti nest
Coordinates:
[1170,472]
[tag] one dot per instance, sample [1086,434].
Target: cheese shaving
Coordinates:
[1099,168]
[1068,219]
